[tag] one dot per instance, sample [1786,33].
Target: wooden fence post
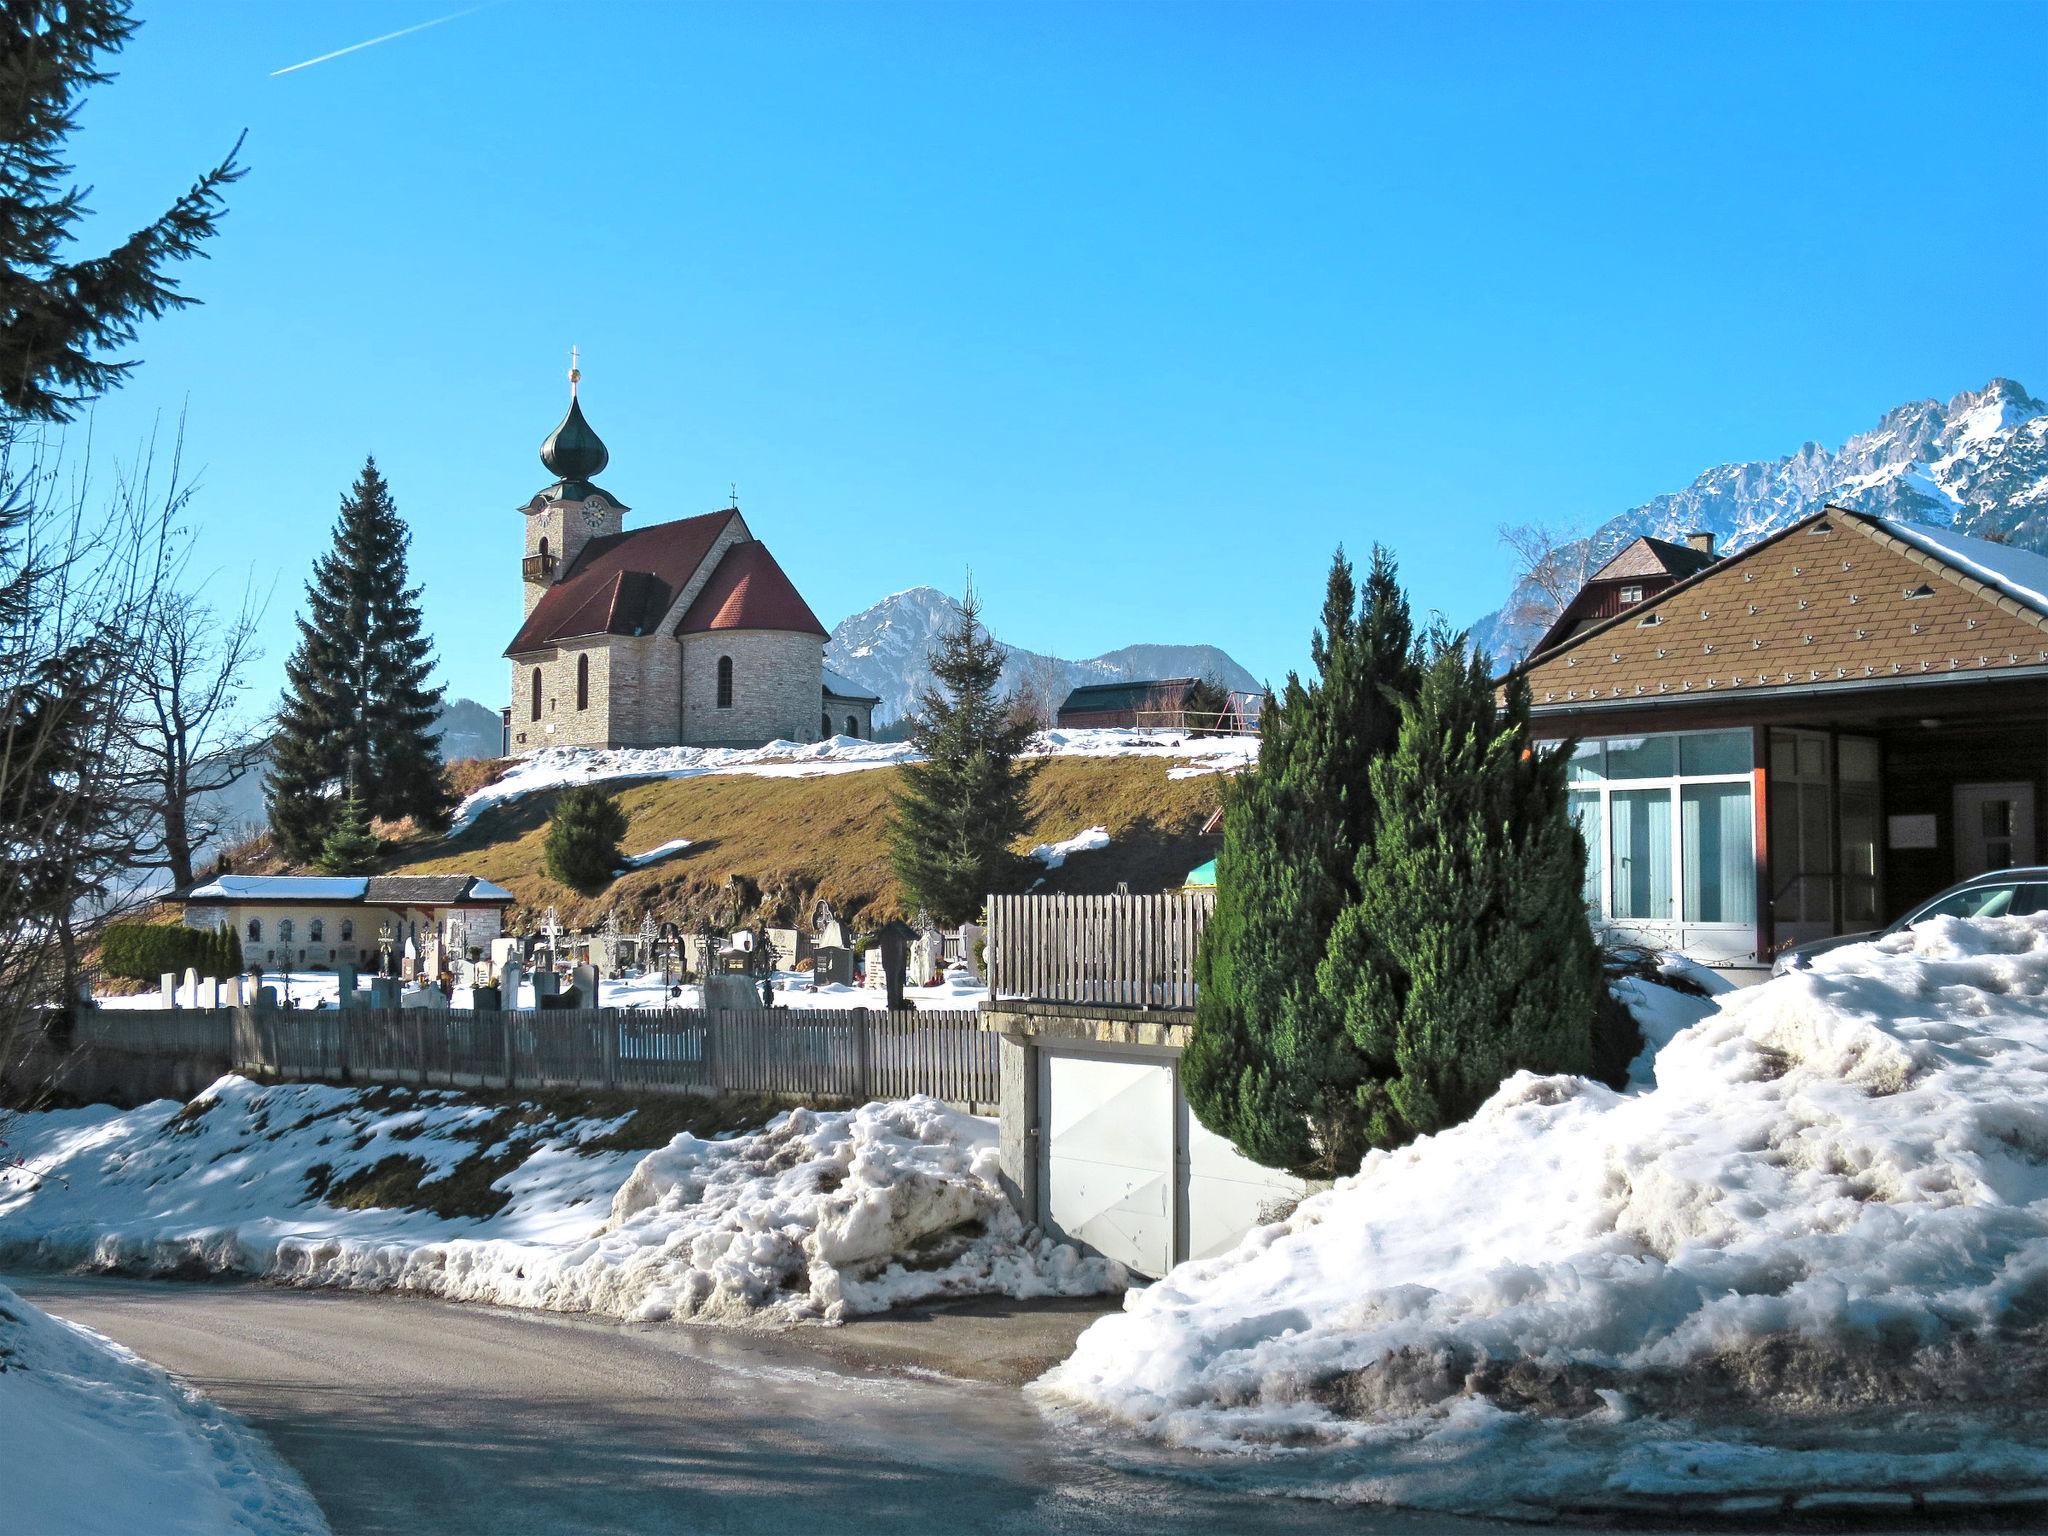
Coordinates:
[863,1054]
[608,1023]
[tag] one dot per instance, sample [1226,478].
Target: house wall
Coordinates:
[861,712]
[477,925]
[777,684]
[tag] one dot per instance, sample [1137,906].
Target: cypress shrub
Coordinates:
[1469,955]
[582,845]
[144,951]
[1269,1064]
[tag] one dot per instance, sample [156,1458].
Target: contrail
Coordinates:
[419,26]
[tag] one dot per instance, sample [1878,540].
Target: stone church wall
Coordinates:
[561,723]
[777,681]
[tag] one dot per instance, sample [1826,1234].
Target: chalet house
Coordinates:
[315,922]
[1160,702]
[1637,572]
[1802,739]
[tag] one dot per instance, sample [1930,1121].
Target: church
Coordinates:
[685,633]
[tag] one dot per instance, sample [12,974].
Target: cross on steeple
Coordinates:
[575,373]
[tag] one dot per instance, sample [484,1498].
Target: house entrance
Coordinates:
[1994,827]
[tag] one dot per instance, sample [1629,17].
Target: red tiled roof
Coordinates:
[750,591]
[622,584]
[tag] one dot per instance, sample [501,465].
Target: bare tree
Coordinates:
[1040,688]
[182,737]
[1551,566]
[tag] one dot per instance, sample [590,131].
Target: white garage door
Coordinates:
[1226,1192]
[1108,1137]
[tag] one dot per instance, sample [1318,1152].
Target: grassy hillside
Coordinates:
[783,842]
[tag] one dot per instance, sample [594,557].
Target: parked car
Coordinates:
[2017,892]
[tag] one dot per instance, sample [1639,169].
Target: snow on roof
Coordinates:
[2019,573]
[844,687]
[491,891]
[280,888]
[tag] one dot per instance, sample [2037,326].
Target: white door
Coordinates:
[1107,1126]
[1994,827]
[1226,1194]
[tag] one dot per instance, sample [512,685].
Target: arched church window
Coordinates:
[255,930]
[583,682]
[824,725]
[543,549]
[852,727]
[725,682]
[536,693]
[316,931]
[284,930]
[348,930]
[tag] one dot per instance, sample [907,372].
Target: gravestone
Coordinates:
[584,978]
[510,974]
[266,998]
[545,984]
[970,941]
[790,947]
[428,998]
[384,991]
[208,995]
[871,967]
[731,992]
[832,965]
[345,983]
[189,993]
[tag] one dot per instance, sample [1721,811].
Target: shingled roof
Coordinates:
[750,591]
[1646,556]
[624,583]
[1839,600]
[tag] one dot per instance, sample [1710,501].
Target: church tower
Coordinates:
[567,515]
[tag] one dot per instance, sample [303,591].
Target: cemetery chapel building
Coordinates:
[681,634]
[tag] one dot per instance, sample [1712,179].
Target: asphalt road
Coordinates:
[428,1418]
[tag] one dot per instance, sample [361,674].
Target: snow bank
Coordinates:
[98,1440]
[655,855]
[554,767]
[1829,1216]
[1053,855]
[816,1216]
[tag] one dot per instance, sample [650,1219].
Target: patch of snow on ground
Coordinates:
[1812,1260]
[555,767]
[99,1440]
[673,846]
[1053,855]
[817,1216]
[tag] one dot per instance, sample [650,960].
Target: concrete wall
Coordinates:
[778,680]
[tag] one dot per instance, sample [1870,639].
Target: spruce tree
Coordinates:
[357,708]
[68,310]
[958,811]
[351,847]
[582,846]
[1268,1063]
[1468,956]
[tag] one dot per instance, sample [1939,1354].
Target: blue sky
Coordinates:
[1135,310]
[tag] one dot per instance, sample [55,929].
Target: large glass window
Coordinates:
[1669,825]
[1718,851]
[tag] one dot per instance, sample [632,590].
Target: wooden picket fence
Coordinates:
[1118,951]
[787,1052]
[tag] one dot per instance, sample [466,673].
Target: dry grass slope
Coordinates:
[783,842]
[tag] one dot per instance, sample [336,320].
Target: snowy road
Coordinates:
[429,1418]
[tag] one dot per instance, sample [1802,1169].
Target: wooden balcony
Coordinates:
[538,569]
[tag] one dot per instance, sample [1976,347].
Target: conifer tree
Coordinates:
[958,811]
[357,708]
[1268,1063]
[582,846]
[1468,956]
[351,847]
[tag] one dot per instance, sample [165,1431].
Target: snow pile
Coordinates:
[1833,1204]
[822,1215]
[98,1440]
[555,767]
[1053,855]
[816,1216]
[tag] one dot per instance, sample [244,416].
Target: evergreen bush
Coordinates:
[1468,955]
[1268,1063]
[582,846]
[144,951]
[351,848]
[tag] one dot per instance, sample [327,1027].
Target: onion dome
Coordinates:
[573,451]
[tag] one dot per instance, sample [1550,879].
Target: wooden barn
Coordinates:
[1162,702]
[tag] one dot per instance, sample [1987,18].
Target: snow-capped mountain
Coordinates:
[1978,464]
[885,650]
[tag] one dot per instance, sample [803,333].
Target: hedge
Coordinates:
[144,951]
